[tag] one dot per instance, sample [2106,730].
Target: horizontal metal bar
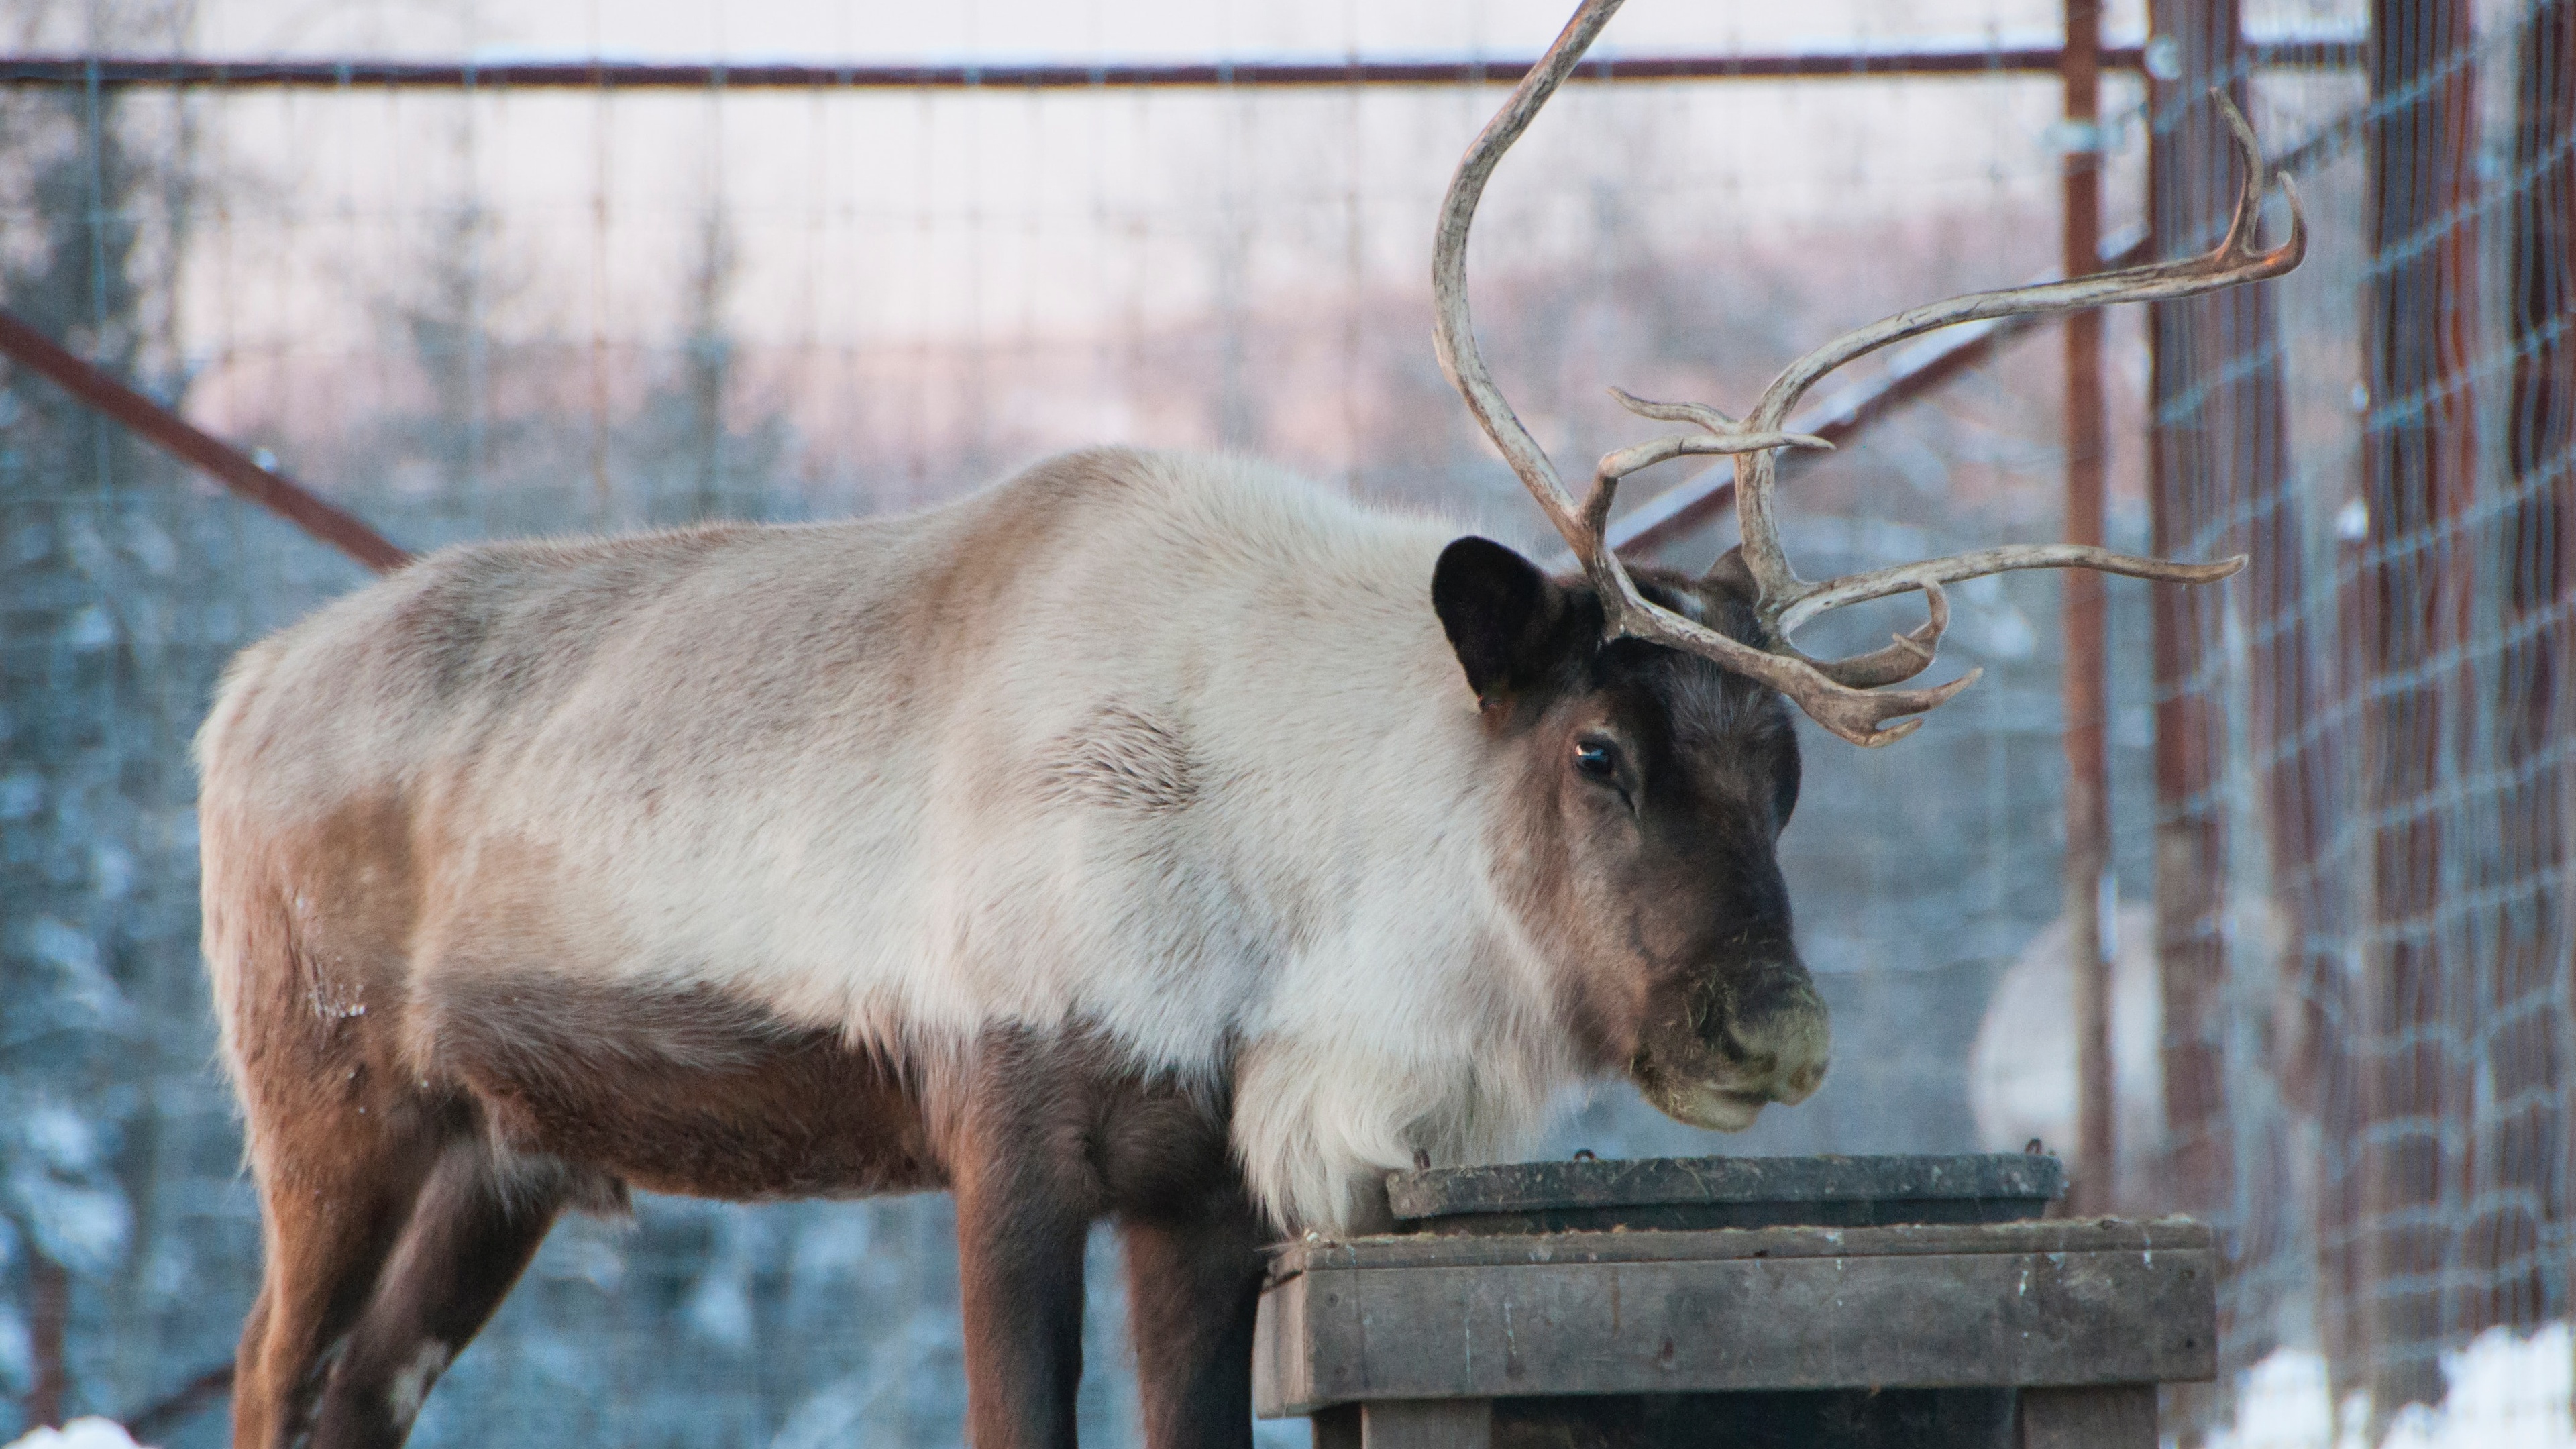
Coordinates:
[186,72]
[25,343]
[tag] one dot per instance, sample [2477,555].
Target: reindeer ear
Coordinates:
[1500,613]
[1734,575]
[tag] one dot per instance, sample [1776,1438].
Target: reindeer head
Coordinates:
[1656,750]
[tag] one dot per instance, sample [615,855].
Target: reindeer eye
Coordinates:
[1597,759]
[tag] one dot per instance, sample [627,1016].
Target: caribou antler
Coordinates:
[1847,696]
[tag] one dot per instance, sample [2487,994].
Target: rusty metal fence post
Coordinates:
[2416,600]
[2189,181]
[2218,483]
[2091,946]
[2515,1248]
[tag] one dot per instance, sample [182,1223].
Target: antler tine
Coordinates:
[1788,601]
[1453,331]
[1930,574]
[1725,435]
[1771,572]
[1851,711]
[1677,412]
[2233,260]
[1908,655]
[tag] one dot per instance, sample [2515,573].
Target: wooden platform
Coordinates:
[1409,1340]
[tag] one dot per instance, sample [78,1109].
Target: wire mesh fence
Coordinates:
[2361,779]
[488,310]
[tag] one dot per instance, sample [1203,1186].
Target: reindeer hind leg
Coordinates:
[335,1192]
[476,1224]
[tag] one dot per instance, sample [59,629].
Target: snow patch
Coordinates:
[78,1434]
[2504,1392]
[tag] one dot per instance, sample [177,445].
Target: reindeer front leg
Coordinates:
[1193,1285]
[1025,1200]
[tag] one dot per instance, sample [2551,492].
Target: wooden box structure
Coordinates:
[1842,1303]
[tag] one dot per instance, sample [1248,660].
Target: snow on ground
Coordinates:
[78,1434]
[2506,1392]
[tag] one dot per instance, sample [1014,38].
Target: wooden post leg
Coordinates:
[1426,1424]
[1337,1427]
[2122,1416]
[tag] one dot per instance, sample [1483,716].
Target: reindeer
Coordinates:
[1146,837]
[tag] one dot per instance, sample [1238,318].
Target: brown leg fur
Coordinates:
[472,1232]
[1048,1135]
[1026,1195]
[1193,1285]
[334,1195]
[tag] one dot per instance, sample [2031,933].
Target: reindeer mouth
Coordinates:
[1700,1103]
[1714,1108]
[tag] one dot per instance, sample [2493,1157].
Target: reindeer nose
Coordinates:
[1782,1036]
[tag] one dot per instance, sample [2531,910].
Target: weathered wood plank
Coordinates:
[1798,1419]
[1537,1187]
[2113,1416]
[2059,1235]
[2047,1318]
[1428,1424]
[1283,1356]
